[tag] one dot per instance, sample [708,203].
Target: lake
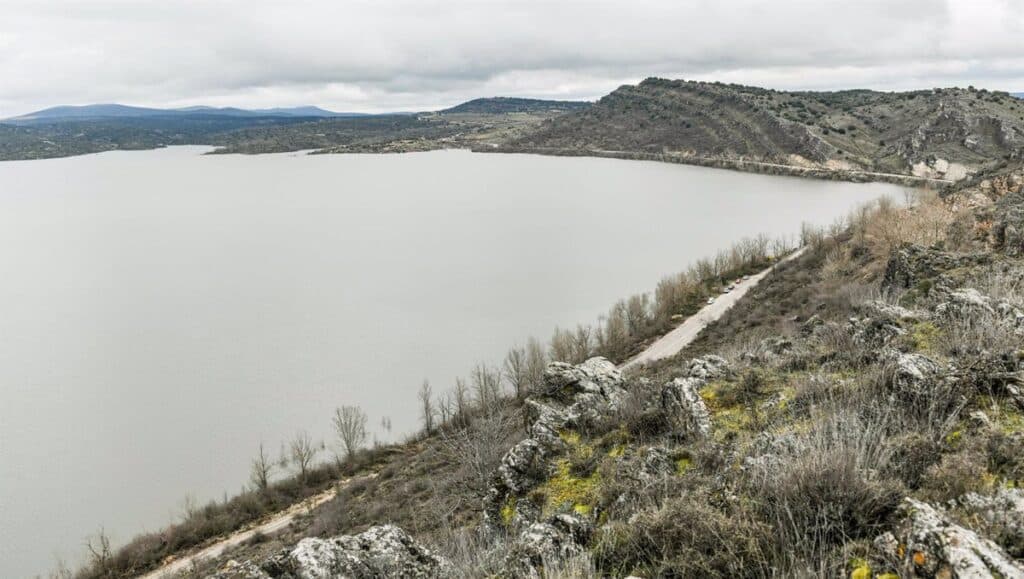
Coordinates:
[164,312]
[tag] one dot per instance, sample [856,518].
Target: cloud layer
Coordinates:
[394,55]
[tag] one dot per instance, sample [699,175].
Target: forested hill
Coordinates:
[497,105]
[936,133]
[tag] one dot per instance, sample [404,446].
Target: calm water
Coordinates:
[163,312]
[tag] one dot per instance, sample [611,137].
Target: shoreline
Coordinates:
[741,165]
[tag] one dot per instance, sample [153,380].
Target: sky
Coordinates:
[379,55]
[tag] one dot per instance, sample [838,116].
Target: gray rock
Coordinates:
[912,373]
[382,551]
[964,302]
[928,544]
[1001,515]
[710,367]
[560,537]
[572,397]
[1008,230]
[685,409]
[911,264]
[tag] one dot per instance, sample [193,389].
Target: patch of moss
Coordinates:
[924,336]
[861,569]
[617,451]
[508,511]
[564,490]
[683,464]
[570,437]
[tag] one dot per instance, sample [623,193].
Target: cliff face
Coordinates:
[942,134]
[870,429]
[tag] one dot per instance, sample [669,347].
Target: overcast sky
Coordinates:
[378,55]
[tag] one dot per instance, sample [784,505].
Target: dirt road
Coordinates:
[674,341]
[276,523]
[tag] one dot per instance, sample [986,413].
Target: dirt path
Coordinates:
[671,343]
[270,526]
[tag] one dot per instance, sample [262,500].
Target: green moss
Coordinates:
[570,437]
[617,451]
[887,576]
[954,437]
[508,511]
[861,569]
[924,336]
[563,490]
[683,464]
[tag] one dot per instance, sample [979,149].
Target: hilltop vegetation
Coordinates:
[501,105]
[937,133]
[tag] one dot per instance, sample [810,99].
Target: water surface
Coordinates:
[163,312]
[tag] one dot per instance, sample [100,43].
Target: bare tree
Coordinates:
[515,371]
[427,406]
[350,426]
[478,450]
[461,402]
[561,345]
[536,361]
[99,551]
[303,452]
[261,469]
[487,386]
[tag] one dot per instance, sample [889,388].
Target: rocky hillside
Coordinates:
[860,414]
[941,133]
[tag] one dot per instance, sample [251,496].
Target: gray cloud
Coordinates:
[377,55]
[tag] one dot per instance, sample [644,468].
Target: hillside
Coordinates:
[858,413]
[943,133]
[502,105]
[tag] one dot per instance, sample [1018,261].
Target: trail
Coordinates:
[671,343]
[269,526]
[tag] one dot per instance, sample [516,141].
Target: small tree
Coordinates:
[303,452]
[487,384]
[515,371]
[350,426]
[427,406]
[261,469]
[536,362]
[99,551]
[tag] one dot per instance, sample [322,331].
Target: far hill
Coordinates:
[935,133]
[117,111]
[498,105]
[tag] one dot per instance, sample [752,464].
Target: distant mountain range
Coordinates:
[117,111]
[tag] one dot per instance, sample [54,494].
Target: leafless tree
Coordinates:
[261,470]
[561,345]
[536,361]
[303,452]
[478,450]
[487,386]
[461,402]
[99,551]
[427,412]
[350,426]
[516,371]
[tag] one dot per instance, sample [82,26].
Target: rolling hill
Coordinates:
[944,133]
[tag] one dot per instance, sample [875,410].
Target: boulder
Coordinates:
[911,264]
[1008,230]
[912,373]
[686,411]
[710,367]
[1001,515]
[964,302]
[928,544]
[560,537]
[382,551]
